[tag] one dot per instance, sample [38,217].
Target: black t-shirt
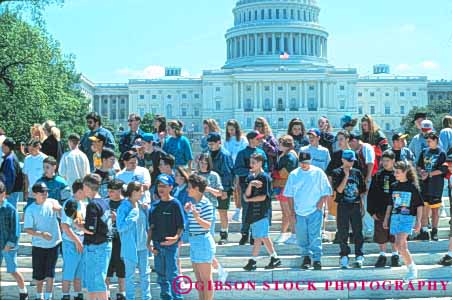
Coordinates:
[98,220]
[406,198]
[114,207]
[432,160]
[380,192]
[259,210]
[165,219]
[336,162]
[152,161]
[354,188]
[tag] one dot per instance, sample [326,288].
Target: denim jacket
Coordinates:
[132,226]
[10,229]
[222,164]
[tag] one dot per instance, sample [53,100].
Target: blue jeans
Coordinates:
[309,234]
[13,198]
[145,271]
[165,263]
[97,258]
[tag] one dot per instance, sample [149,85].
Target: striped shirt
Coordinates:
[205,209]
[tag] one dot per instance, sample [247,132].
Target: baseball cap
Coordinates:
[426,126]
[70,208]
[98,137]
[304,157]
[213,137]
[419,115]
[349,155]
[398,136]
[314,131]
[148,137]
[165,179]
[254,135]
[39,187]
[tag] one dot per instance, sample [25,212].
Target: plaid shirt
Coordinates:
[9,225]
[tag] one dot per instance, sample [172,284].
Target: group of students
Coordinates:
[107,215]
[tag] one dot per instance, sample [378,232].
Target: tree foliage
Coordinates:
[147,124]
[435,111]
[37,82]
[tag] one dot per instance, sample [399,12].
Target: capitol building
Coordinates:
[255,81]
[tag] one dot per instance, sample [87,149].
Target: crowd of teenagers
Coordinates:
[106,208]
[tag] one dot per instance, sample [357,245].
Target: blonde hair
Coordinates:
[51,129]
[37,132]
[267,128]
[176,126]
[212,124]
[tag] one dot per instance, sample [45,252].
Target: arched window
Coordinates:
[293,105]
[248,105]
[281,123]
[262,14]
[184,110]
[280,105]
[255,15]
[270,14]
[267,105]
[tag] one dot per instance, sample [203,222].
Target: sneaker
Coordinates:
[381,262]
[250,266]
[292,240]
[359,262]
[395,261]
[237,215]
[306,263]
[23,296]
[223,238]
[282,238]
[244,239]
[222,275]
[423,236]
[274,263]
[446,260]
[325,238]
[434,234]
[122,297]
[411,274]
[317,265]
[344,262]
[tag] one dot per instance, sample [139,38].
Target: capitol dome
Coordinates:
[264,29]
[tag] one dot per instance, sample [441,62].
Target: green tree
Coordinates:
[37,82]
[435,111]
[147,124]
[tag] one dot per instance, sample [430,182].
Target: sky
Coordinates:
[117,40]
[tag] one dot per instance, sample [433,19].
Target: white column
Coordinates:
[308,45]
[236,93]
[265,44]
[325,94]
[300,44]
[281,42]
[274,94]
[326,48]
[319,96]
[305,94]
[318,47]
[273,44]
[256,44]
[248,45]
[291,52]
[286,101]
[300,94]
[256,96]
[242,94]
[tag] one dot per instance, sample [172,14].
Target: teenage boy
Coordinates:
[418,142]
[74,209]
[401,152]
[133,172]
[9,240]
[152,155]
[166,166]
[432,170]
[129,137]
[446,260]
[98,142]
[242,169]
[41,222]
[74,164]
[97,242]
[222,164]
[116,264]
[379,197]
[258,196]
[350,187]
[57,186]
[319,154]
[308,189]
[166,223]
[106,171]
[33,168]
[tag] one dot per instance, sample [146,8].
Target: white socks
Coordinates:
[382,253]
[274,255]
[395,253]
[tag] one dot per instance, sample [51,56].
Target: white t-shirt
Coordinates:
[320,155]
[141,175]
[34,168]
[307,187]
[368,153]
[74,165]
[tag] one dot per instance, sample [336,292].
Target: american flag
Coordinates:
[284,55]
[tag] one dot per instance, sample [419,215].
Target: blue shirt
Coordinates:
[132,226]
[58,188]
[9,225]
[180,148]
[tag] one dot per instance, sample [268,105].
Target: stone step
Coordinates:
[233,249]
[272,291]
[291,261]
[432,272]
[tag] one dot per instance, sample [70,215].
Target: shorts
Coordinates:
[432,202]
[279,195]
[116,264]
[11,260]
[96,258]
[381,235]
[224,204]
[260,229]
[43,261]
[72,262]
[402,224]
[202,248]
